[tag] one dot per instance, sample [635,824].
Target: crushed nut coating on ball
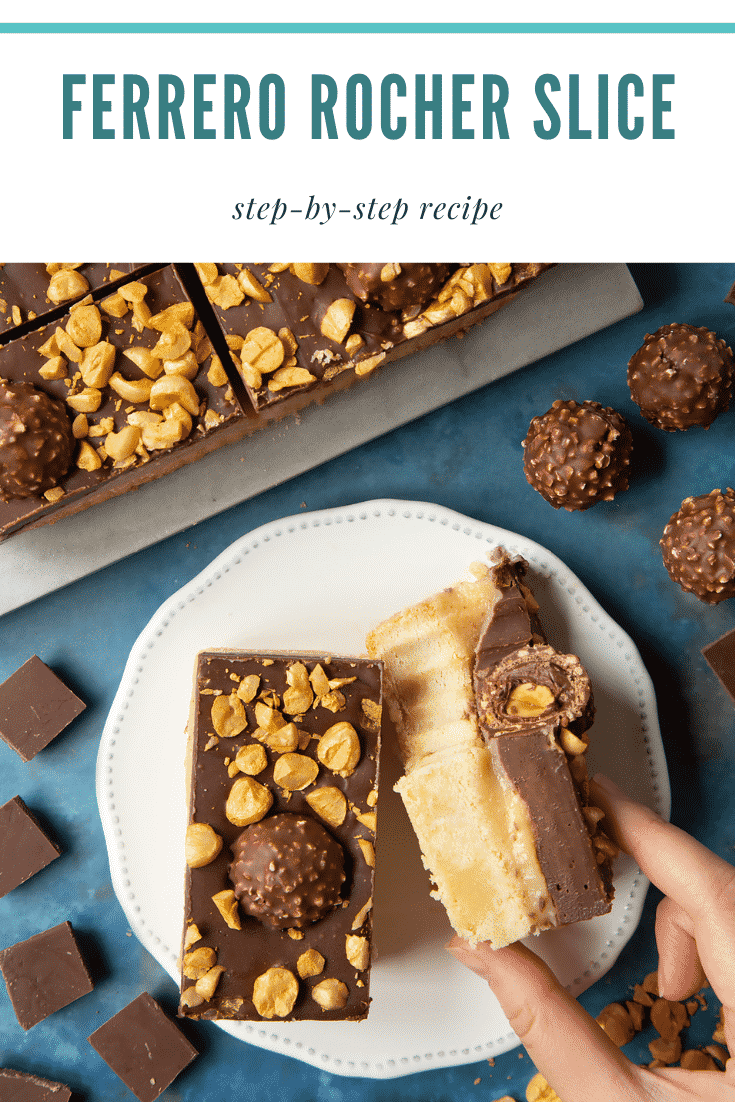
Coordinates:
[681,376]
[36,441]
[287,871]
[698,546]
[576,455]
[405,287]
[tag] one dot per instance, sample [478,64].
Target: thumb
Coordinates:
[567,1046]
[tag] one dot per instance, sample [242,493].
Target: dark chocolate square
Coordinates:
[35,707]
[16,1086]
[143,1047]
[720,656]
[25,848]
[44,974]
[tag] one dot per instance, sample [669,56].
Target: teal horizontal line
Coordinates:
[367,28]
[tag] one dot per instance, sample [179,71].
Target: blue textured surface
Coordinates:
[466,456]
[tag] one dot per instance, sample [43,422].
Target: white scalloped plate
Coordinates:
[319,581]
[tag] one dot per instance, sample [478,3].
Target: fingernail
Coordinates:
[607,785]
[458,948]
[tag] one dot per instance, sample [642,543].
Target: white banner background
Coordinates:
[562,199]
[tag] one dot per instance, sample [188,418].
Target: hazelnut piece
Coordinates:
[202,845]
[274,993]
[228,716]
[310,963]
[329,804]
[330,994]
[339,749]
[247,802]
[198,962]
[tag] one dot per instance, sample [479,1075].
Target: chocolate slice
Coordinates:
[35,707]
[300,331]
[494,786]
[44,974]
[281,840]
[30,291]
[143,389]
[143,1047]
[17,1086]
[25,848]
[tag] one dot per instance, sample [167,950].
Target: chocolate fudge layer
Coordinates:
[44,974]
[25,848]
[142,390]
[35,707]
[143,1047]
[17,1086]
[280,847]
[29,291]
[498,808]
[720,656]
[298,331]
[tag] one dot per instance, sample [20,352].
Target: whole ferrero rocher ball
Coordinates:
[287,871]
[404,287]
[36,441]
[576,455]
[681,376]
[698,546]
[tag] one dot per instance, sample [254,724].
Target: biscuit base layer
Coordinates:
[477,841]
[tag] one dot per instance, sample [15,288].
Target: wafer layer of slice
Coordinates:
[498,805]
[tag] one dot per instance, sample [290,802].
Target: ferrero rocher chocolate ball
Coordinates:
[404,287]
[287,871]
[698,546]
[576,455]
[36,441]
[681,376]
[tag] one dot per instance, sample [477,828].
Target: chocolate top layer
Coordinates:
[401,287]
[297,327]
[344,801]
[681,376]
[31,291]
[698,546]
[36,441]
[576,455]
[513,621]
[287,871]
[579,886]
[123,326]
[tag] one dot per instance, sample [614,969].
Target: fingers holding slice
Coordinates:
[701,884]
[564,1042]
[680,972]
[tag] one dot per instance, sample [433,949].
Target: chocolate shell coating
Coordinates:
[698,546]
[681,376]
[563,675]
[406,287]
[36,441]
[576,455]
[287,871]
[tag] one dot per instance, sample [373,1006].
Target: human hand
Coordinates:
[695,935]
